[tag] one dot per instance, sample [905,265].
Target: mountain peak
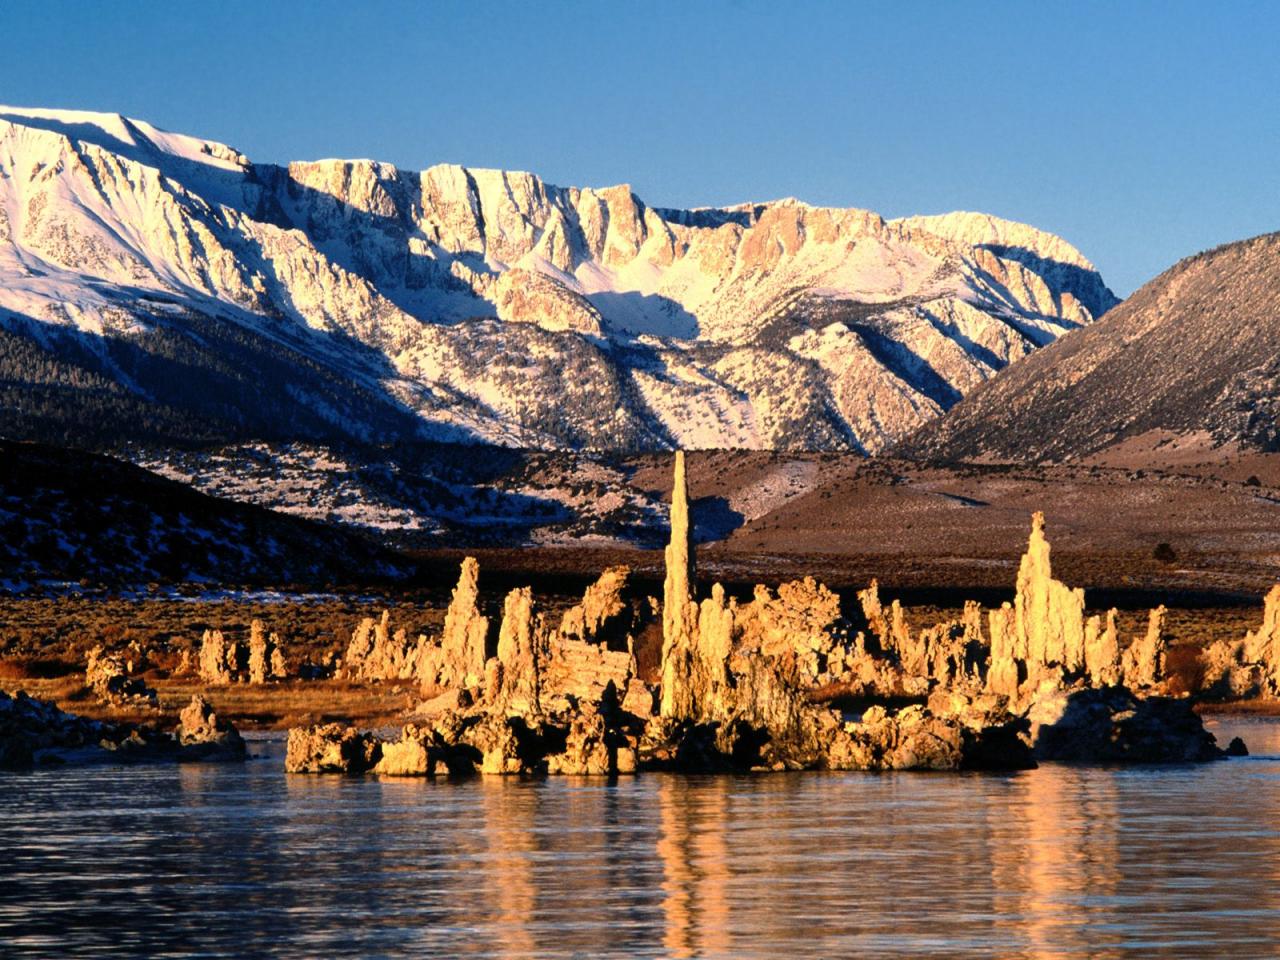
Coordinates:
[1189,358]
[471,303]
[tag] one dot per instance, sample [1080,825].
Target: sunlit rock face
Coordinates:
[485,305]
[1249,667]
[785,681]
[679,611]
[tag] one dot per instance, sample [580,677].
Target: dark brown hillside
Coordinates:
[71,516]
[1194,352]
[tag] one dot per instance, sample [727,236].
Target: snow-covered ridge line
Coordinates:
[475,304]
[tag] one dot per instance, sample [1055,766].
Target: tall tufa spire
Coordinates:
[679,612]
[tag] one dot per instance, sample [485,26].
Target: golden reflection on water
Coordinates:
[1054,843]
[1053,862]
[695,867]
[510,889]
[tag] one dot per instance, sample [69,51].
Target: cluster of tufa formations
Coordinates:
[223,661]
[779,682]
[36,733]
[111,677]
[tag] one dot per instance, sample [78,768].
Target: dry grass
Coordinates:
[43,644]
[274,706]
[33,668]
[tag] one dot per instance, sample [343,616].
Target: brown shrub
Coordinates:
[35,668]
[1185,669]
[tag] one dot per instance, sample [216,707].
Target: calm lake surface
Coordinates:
[246,861]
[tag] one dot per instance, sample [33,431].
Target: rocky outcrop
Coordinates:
[873,611]
[1044,636]
[605,614]
[458,659]
[36,733]
[915,738]
[513,680]
[1115,725]
[1143,664]
[375,653]
[1102,651]
[266,655]
[589,740]
[1048,616]
[1235,669]
[330,748]
[221,660]
[107,675]
[768,685]
[526,296]
[205,735]
[679,611]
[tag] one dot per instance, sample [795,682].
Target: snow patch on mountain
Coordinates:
[481,305]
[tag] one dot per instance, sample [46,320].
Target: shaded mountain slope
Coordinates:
[67,516]
[1194,354]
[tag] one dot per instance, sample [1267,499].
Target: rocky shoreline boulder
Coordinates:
[1113,725]
[36,733]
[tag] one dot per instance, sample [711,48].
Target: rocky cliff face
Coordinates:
[1189,357]
[353,299]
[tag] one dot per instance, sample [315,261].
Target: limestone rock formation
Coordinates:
[1044,637]
[914,738]
[803,620]
[1102,651]
[1005,672]
[221,660]
[458,660]
[1114,725]
[375,653]
[588,740]
[604,612]
[679,611]
[1143,664]
[1048,616]
[873,611]
[35,733]
[764,685]
[514,679]
[266,656]
[329,748]
[1262,646]
[107,675]
[201,731]
[1235,669]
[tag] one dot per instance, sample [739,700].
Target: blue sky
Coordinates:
[1142,132]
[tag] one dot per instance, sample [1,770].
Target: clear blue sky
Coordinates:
[1142,132]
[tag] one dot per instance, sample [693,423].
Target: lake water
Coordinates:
[247,861]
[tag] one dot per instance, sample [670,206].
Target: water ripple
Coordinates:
[205,861]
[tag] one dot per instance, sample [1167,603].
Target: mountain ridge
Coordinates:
[1189,359]
[465,304]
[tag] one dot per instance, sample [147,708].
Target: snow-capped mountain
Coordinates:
[165,288]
